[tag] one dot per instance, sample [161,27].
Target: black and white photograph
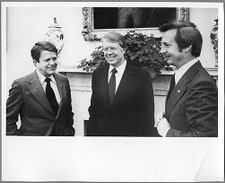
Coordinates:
[112,91]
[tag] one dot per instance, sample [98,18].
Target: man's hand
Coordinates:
[158,117]
[163,127]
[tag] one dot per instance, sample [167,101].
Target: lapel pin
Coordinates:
[178,91]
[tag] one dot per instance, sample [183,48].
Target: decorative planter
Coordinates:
[55,36]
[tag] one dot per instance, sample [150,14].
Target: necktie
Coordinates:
[112,85]
[172,84]
[51,96]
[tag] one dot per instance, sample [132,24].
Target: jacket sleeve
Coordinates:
[69,130]
[91,128]
[13,106]
[148,104]
[201,112]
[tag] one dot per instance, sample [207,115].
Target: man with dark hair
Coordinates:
[191,103]
[42,99]
[122,102]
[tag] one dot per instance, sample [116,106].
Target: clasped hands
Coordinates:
[162,124]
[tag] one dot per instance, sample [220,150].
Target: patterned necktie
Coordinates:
[51,96]
[172,85]
[112,85]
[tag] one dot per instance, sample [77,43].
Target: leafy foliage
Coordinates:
[141,50]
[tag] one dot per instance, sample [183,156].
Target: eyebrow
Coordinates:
[50,58]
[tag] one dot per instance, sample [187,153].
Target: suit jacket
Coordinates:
[28,99]
[132,111]
[192,107]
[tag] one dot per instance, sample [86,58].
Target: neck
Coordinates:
[184,61]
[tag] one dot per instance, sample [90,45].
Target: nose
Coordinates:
[108,51]
[53,61]
[162,50]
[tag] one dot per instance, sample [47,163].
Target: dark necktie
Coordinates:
[51,96]
[112,85]
[172,85]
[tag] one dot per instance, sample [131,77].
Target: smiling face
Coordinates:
[113,53]
[47,63]
[170,49]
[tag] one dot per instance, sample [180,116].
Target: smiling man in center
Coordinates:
[122,102]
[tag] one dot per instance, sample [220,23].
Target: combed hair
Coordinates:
[40,46]
[187,35]
[115,37]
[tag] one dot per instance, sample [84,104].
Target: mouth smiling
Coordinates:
[166,57]
[110,58]
[51,68]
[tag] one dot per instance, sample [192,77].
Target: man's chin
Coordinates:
[110,61]
[52,72]
[170,62]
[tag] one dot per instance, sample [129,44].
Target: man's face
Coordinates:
[48,63]
[113,53]
[170,49]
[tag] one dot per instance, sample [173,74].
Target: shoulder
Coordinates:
[60,76]
[143,73]
[203,81]
[203,75]
[25,78]
[197,73]
[21,83]
[101,69]
[138,74]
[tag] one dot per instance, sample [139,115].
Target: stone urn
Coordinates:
[55,36]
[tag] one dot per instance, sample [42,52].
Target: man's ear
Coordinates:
[35,62]
[188,49]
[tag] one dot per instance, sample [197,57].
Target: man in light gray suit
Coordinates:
[42,99]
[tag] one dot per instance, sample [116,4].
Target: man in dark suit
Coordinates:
[191,103]
[42,99]
[122,99]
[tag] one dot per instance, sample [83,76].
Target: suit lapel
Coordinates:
[125,84]
[181,87]
[38,92]
[62,92]
[103,85]
[176,94]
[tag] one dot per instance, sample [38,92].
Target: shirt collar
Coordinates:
[180,72]
[42,77]
[119,69]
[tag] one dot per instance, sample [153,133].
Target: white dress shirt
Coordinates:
[52,83]
[183,69]
[119,74]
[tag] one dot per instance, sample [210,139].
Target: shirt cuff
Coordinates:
[165,132]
